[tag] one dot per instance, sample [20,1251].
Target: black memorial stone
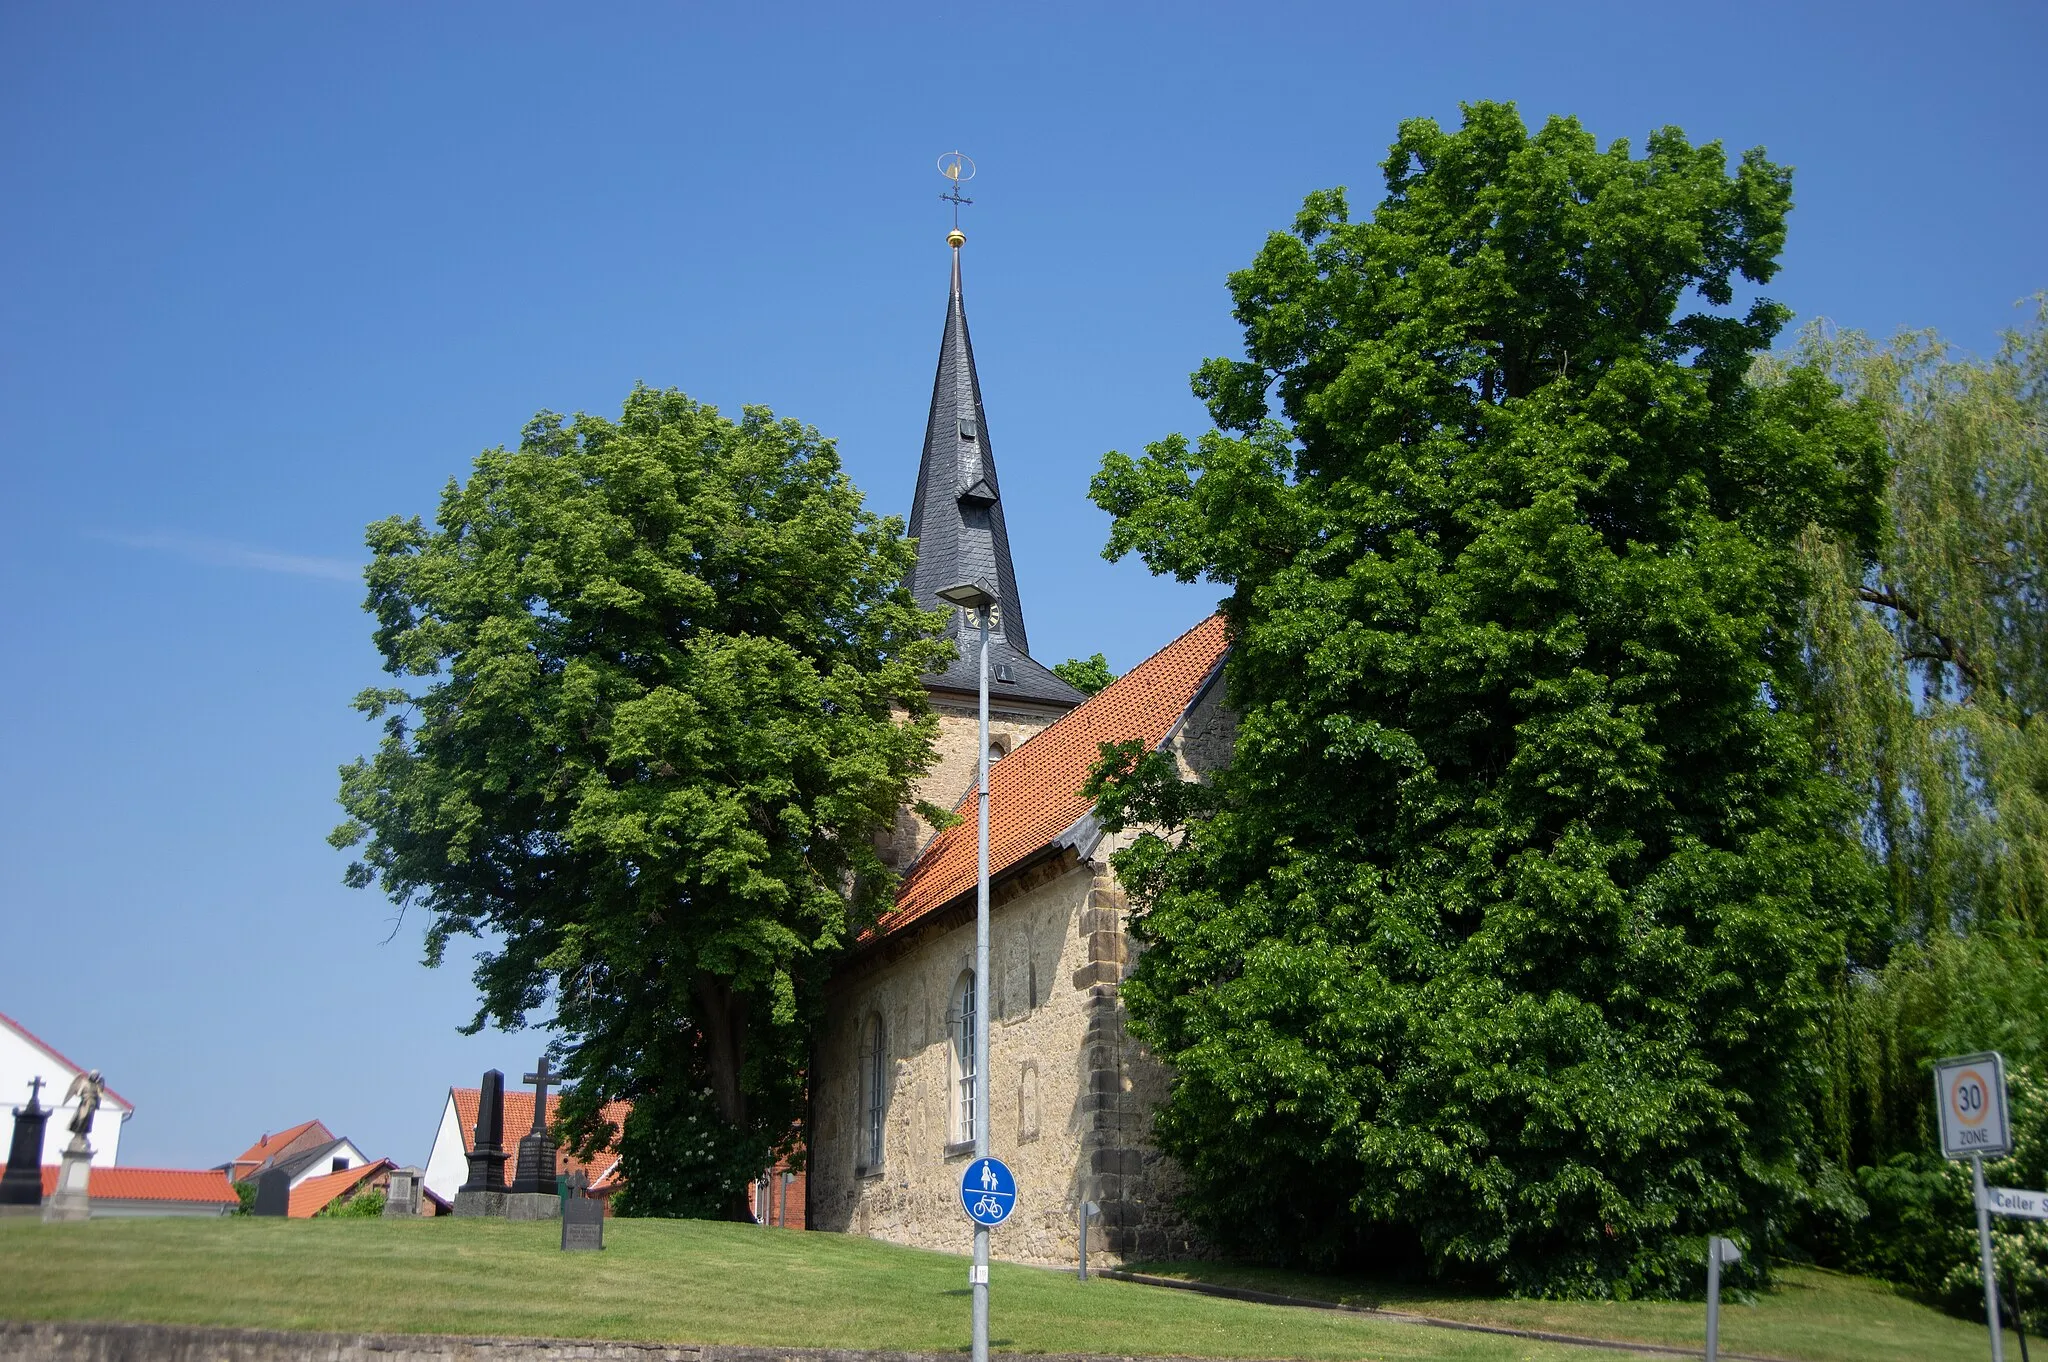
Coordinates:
[273,1192]
[487,1142]
[582,1217]
[534,1173]
[22,1184]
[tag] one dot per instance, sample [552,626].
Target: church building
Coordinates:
[1071,1093]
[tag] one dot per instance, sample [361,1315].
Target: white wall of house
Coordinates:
[343,1155]
[448,1163]
[23,1059]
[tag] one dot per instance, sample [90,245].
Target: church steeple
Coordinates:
[957,519]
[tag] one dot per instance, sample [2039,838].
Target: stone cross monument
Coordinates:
[21,1188]
[534,1195]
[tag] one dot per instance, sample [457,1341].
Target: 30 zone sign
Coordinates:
[1970,1094]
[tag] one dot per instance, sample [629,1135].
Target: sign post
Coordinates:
[1969,1097]
[1719,1251]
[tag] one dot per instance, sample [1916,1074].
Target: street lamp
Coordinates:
[977,596]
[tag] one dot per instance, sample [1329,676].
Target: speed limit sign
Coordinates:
[1970,1095]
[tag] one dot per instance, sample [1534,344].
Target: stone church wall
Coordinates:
[957,764]
[1072,1093]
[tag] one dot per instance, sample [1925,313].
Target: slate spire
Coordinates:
[957,519]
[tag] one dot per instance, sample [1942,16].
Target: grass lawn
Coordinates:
[696,1281]
[1811,1314]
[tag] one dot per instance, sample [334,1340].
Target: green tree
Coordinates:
[1505,933]
[1929,672]
[1930,666]
[1085,674]
[673,693]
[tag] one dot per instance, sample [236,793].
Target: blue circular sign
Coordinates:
[988,1192]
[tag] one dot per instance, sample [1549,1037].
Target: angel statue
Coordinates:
[87,1088]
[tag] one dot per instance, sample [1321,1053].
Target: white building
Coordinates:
[25,1057]
[447,1166]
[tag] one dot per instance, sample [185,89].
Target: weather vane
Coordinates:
[958,168]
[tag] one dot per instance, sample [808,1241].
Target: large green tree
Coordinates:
[1929,673]
[1507,933]
[670,692]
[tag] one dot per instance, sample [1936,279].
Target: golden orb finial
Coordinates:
[956,238]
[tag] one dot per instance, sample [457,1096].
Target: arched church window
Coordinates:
[962,1057]
[874,1096]
[995,751]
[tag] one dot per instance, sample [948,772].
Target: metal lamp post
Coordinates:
[977,597]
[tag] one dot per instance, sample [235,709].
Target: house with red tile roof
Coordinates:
[302,1153]
[447,1166]
[325,1191]
[122,1192]
[25,1057]
[285,1144]
[1070,1095]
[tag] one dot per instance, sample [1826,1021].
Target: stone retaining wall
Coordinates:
[88,1341]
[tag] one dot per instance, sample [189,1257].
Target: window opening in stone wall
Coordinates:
[963,1059]
[874,1077]
[995,752]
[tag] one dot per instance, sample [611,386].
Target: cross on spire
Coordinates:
[958,168]
[542,1079]
[35,1090]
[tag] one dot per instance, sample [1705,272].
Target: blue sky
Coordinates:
[271,272]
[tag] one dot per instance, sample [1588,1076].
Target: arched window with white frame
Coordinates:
[874,1081]
[964,1023]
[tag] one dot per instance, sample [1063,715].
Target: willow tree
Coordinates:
[1931,665]
[1929,673]
[665,689]
[1501,941]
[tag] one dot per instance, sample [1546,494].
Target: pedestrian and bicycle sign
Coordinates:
[988,1192]
[1969,1093]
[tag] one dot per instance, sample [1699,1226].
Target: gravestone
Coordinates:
[273,1193]
[534,1195]
[402,1197]
[21,1187]
[484,1192]
[582,1217]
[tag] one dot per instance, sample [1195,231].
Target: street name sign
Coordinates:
[988,1192]
[2013,1201]
[1969,1093]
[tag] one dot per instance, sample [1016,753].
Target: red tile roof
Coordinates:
[519,1120]
[316,1194]
[209,1185]
[33,1039]
[1035,792]
[272,1145]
